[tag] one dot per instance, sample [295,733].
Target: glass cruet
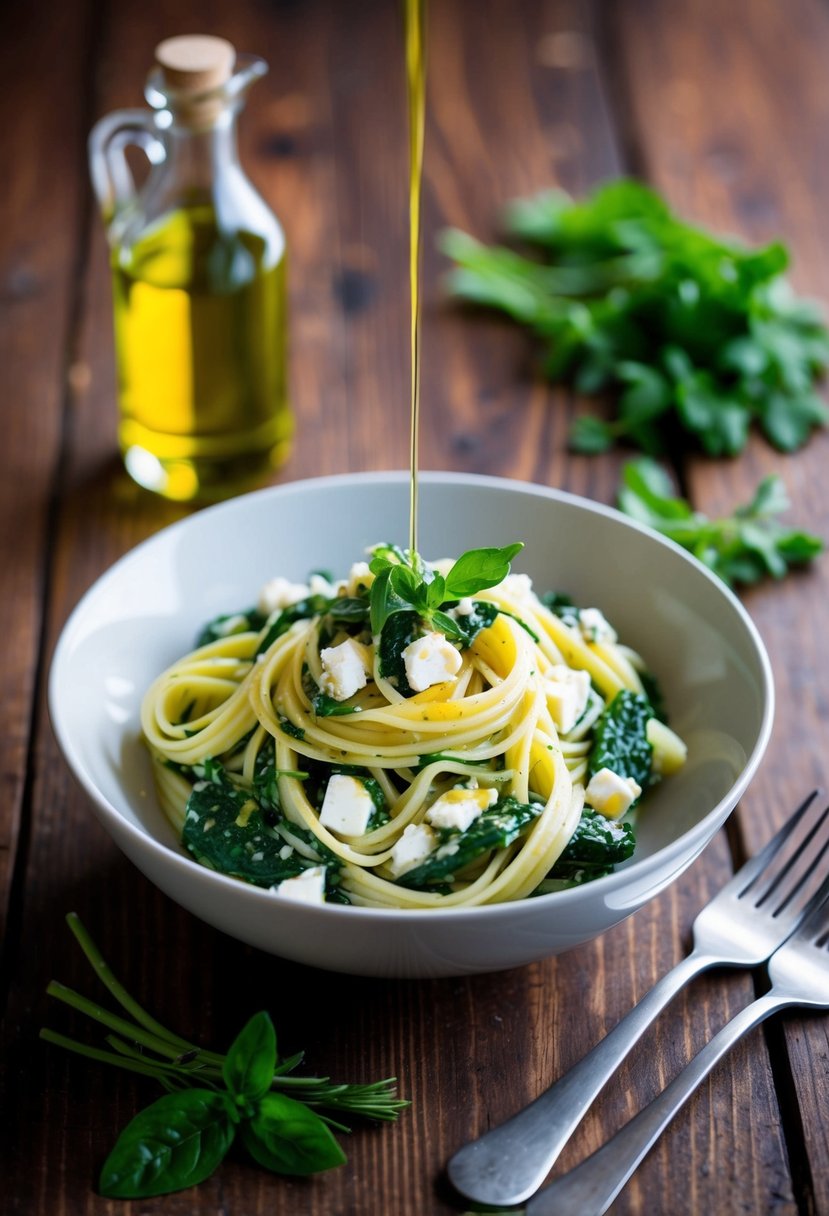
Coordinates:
[199,281]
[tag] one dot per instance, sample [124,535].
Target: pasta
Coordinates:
[441,762]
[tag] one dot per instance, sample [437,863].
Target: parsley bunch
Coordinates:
[681,327]
[740,548]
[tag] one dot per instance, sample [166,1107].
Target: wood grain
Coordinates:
[758,167]
[37,290]
[568,94]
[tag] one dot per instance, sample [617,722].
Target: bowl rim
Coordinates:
[189,868]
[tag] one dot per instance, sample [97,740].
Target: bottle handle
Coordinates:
[109,139]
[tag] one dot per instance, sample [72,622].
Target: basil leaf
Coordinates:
[285,1136]
[479,569]
[251,620]
[249,1064]
[385,601]
[175,1143]
[446,624]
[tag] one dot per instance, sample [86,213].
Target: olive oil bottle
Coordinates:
[199,283]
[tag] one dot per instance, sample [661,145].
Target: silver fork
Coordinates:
[741,927]
[799,972]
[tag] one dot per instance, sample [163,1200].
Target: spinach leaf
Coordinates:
[597,841]
[303,610]
[496,828]
[250,1063]
[398,632]
[224,829]
[174,1143]
[561,606]
[288,728]
[620,740]
[468,627]
[287,1137]
[251,620]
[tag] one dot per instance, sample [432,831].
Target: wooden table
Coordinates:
[723,106]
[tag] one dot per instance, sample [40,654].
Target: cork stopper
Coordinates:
[194,64]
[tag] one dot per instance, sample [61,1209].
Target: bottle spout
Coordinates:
[197,77]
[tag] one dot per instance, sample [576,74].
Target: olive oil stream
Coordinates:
[416,82]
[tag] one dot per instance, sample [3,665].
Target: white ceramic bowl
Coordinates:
[145,612]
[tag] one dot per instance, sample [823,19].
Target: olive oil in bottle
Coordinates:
[199,285]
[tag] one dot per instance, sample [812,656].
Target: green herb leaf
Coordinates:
[224,828]
[250,1062]
[286,1137]
[620,739]
[480,569]
[495,828]
[686,327]
[175,1143]
[740,548]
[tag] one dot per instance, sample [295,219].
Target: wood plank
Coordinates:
[470,1050]
[756,165]
[36,298]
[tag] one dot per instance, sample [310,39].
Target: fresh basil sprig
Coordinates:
[403,582]
[180,1139]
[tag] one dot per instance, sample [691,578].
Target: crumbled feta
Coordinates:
[465,606]
[430,660]
[344,669]
[318,584]
[610,794]
[347,806]
[305,888]
[413,847]
[279,593]
[286,851]
[595,627]
[359,576]
[457,809]
[568,692]
[519,586]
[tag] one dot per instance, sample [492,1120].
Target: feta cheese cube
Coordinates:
[519,586]
[344,669]
[279,593]
[595,627]
[318,584]
[458,809]
[430,660]
[465,606]
[347,806]
[610,794]
[568,692]
[305,888]
[413,847]
[359,576]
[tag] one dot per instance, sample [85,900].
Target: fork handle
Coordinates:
[510,1162]
[591,1187]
